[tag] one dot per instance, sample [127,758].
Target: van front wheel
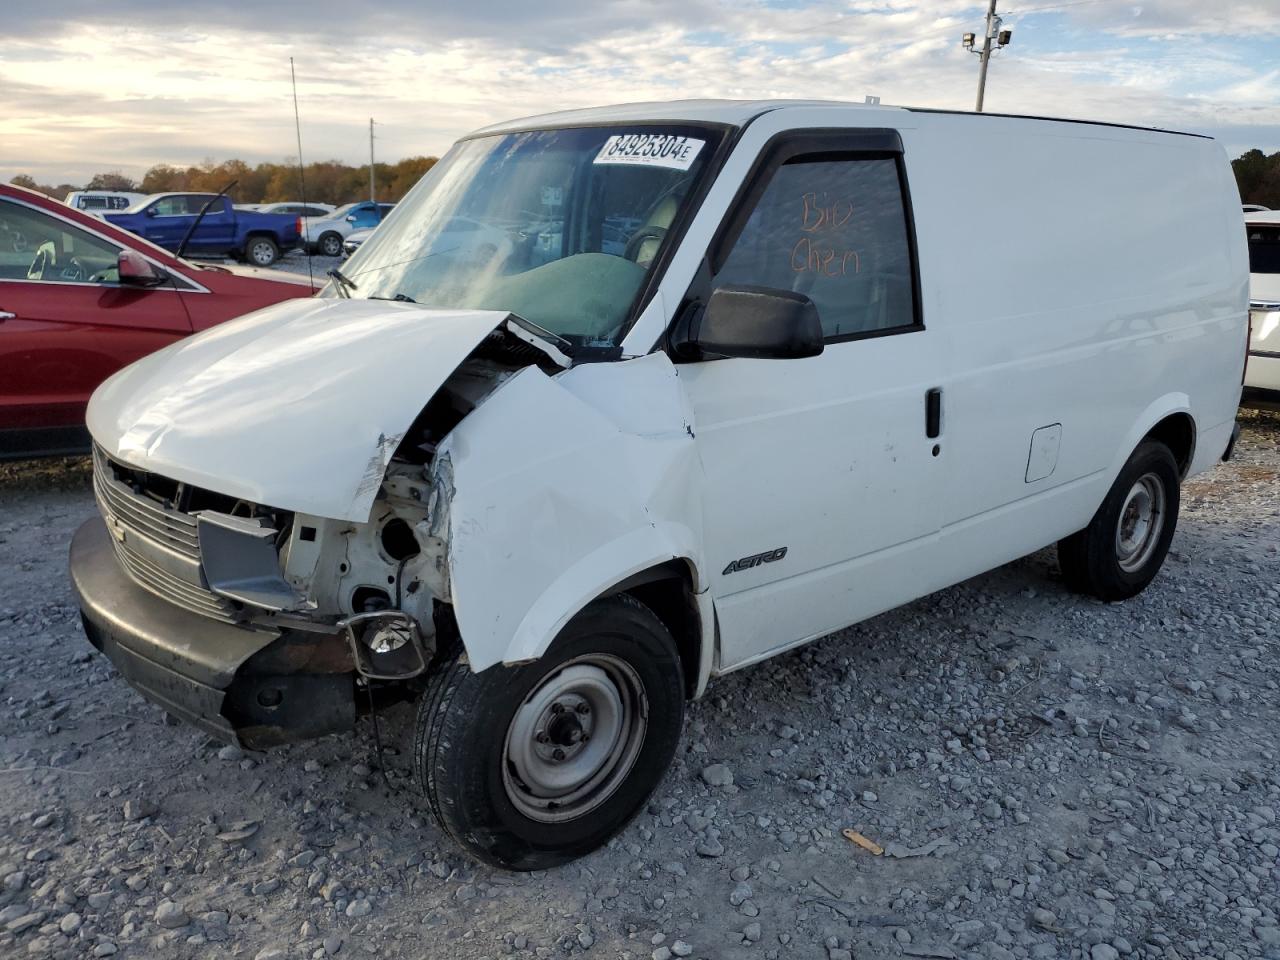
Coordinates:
[1124,546]
[532,766]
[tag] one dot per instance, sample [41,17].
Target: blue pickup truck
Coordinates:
[165,218]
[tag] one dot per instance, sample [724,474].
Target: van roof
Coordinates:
[732,112]
[739,112]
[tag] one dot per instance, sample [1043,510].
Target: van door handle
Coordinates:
[933,413]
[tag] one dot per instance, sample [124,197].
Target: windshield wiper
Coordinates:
[399,297]
[563,345]
[345,283]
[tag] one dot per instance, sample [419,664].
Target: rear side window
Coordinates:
[834,230]
[1264,247]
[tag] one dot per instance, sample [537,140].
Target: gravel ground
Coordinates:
[296,262]
[1049,777]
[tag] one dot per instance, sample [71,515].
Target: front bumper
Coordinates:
[253,687]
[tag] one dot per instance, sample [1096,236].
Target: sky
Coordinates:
[87,87]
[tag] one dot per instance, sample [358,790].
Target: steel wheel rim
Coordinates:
[1141,523]
[574,739]
[261,253]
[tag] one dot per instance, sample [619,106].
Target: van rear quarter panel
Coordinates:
[1090,276]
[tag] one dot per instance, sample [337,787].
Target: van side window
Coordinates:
[836,231]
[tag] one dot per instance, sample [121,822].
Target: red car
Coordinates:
[79,299]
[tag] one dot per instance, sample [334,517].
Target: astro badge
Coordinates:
[650,150]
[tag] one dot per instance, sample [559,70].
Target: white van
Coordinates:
[98,202]
[1262,376]
[732,376]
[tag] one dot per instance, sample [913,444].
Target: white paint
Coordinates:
[298,406]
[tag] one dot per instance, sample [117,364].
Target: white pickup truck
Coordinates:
[619,400]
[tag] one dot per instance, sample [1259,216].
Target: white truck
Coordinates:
[1262,376]
[619,400]
[98,202]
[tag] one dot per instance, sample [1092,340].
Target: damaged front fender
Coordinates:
[564,487]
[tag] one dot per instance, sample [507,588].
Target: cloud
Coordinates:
[80,99]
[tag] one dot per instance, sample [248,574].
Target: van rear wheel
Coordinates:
[532,766]
[1124,546]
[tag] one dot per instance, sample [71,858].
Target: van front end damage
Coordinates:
[269,542]
[254,686]
[262,596]
[255,624]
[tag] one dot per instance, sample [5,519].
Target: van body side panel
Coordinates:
[1085,276]
[563,488]
[828,458]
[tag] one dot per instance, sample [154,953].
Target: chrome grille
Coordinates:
[156,544]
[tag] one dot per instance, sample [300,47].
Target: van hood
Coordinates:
[298,406]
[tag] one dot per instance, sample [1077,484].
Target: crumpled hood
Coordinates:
[298,406]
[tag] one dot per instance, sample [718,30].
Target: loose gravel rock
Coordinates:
[1050,777]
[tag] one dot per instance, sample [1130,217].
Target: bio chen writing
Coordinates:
[821,250]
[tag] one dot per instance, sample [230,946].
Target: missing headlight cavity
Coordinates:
[398,540]
[370,600]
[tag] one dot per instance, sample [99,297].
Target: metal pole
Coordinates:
[986,53]
[371,190]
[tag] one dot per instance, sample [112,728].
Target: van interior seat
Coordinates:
[662,216]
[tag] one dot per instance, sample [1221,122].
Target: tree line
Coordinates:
[327,181]
[1258,177]
[332,181]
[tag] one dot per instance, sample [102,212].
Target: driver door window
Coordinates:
[37,246]
[835,231]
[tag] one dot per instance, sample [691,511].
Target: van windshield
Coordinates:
[560,227]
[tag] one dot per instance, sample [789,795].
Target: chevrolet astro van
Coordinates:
[619,400]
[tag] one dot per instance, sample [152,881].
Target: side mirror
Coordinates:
[351,218]
[757,322]
[150,211]
[135,270]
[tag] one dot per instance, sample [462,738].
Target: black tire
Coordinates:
[261,251]
[329,244]
[464,762]
[1095,561]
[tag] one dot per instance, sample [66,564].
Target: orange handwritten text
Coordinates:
[822,214]
[810,257]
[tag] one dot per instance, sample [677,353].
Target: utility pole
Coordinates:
[992,32]
[371,188]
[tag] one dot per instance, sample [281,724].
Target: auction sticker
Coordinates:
[651,150]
